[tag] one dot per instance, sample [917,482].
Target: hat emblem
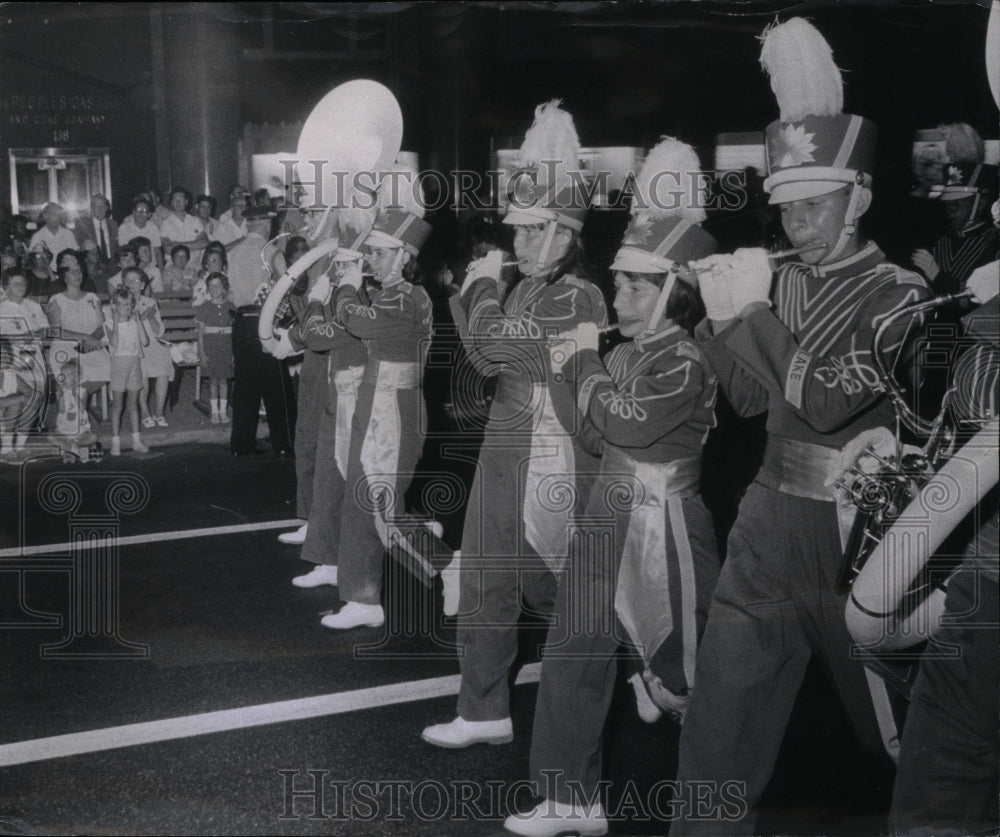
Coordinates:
[954,176]
[794,146]
[639,230]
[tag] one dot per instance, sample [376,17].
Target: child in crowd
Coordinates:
[157,362]
[214,260]
[178,275]
[144,253]
[215,343]
[74,435]
[127,338]
[16,392]
[126,258]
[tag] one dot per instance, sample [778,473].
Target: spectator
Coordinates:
[77,318]
[156,362]
[215,343]
[178,275]
[213,261]
[160,212]
[126,258]
[232,226]
[73,435]
[247,273]
[181,228]
[100,228]
[97,272]
[24,321]
[235,192]
[144,254]
[68,260]
[128,341]
[204,209]
[40,276]
[54,235]
[139,223]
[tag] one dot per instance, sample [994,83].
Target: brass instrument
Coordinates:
[881,496]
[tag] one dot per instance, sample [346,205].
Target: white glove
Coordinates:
[282,346]
[925,264]
[854,454]
[489,266]
[320,291]
[750,278]
[352,276]
[984,282]
[586,335]
[714,293]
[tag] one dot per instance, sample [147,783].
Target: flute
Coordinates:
[780,254]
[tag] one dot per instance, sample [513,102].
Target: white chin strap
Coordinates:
[396,274]
[542,262]
[849,228]
[975,211]
[661,305]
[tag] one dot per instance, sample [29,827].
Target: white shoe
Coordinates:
[461,733]
[648,711]
[435,527]
[297,537]
[322,574]
[451,585]
[116,446]
[355,615]
[550,818]
[138,446]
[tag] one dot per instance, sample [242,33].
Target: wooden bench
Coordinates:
[180,326]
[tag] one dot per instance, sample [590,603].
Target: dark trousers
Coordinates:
[774,607]
[259,375]
[948,774]
[314,385]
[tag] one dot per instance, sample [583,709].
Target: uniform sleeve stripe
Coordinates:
[795,381]
[587,390]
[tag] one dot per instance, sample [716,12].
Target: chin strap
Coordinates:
[975,211]
[542,262]
[661,304]
[850,227]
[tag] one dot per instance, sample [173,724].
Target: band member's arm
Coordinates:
[826,390]
[745,393]
[651,406]
[560,308]
[319,329]
[392,311]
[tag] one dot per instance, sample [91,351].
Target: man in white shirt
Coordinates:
[246,270]
[54,235]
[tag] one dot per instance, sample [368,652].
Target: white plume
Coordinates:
[667,183]
[804,78]
[552,136]
[401,189]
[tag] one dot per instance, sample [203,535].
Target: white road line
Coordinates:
[170,729]
[48,549]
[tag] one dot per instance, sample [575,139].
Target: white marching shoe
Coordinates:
[461,733]
[322,574]
[451,585]
[550,818]
[648,711]
[355,615]
[295,538]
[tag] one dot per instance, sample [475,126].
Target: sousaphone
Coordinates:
[352,135]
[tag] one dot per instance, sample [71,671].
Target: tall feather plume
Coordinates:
[962,143]
[552,136]
[669,169]
[804,78]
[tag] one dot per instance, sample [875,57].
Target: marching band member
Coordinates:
[970,239]
[388,418]
[652,403]
[950,750]
[802,353]
[534,468]
[321,331]
[312,389]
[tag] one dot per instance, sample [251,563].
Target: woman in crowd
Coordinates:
[535,465]
[181,228]
[77,317]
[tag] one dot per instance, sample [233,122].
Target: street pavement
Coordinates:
[170,679]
